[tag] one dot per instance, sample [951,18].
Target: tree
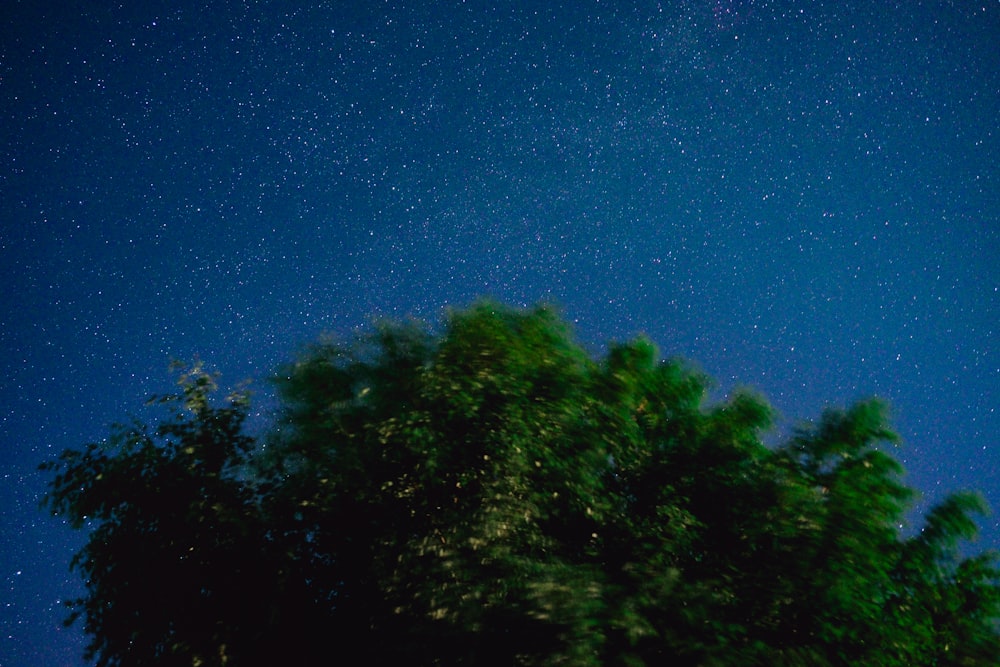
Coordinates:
[171,525]
[493,495]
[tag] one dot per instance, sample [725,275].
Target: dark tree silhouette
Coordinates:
[493,495]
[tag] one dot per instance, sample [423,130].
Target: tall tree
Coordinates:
[493,495]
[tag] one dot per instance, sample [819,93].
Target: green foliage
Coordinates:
[492,495]
[171,527]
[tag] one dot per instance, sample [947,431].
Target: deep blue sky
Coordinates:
[802,196]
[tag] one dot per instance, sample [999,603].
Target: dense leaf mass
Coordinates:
[493,495]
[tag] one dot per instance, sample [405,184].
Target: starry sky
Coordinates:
[798,195]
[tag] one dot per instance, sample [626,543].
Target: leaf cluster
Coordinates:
[493,495]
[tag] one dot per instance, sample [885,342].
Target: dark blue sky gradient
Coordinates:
[798,196]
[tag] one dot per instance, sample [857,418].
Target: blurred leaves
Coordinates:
[491,494]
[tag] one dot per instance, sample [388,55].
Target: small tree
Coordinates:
[172,525]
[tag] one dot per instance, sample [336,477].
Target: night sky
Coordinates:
[801,196]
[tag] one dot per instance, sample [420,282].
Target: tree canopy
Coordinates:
[491,494]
